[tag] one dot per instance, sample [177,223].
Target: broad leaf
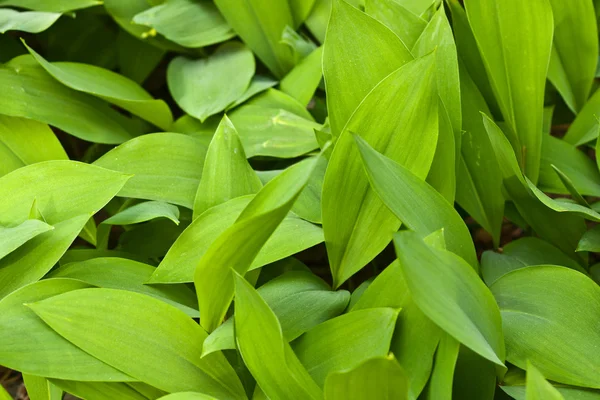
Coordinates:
[407,25]
[162,343]
[26,21]
[538,387]
[440,383]
[590,241]
[143,212]
[99,390]
[39,388]
[187,396]
[302,81]
[53,6]
[12,238]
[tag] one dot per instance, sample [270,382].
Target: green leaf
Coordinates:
[14,237]
[258,84]
[356,223]
[563,206]
[143,212]
[538,387]
[166,167]
[226,173]
[416,203]
[318,19]
[162,344]
[479,182]
[585,127]
[26,21]
[474,320]
[275,132]
[256,223]
[300,10]
[187,22]
[404,23]
[4,395]
[590,241]
[187,396]
[291,237]
[120,273]
[30,92]
[302,81]
[474,376]
[299,299]
[352,38]
[548,318]
[207,86]
[568,183]
[53,6]
[515,41]
[137,59]
[260,23]
[99,390]
[378,378]
[575,164]
[346,341]
[30,346]
[574,52]
[39,388]
[440,383]
[110,86]
[258,332]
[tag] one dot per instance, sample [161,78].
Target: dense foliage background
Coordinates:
[299,199]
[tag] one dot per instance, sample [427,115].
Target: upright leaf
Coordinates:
[515,41]
[14,237]
[440,383]
[352,37]
[585,127]
[302,81]
[356,223]
[226,173]
[40,388]
[538,387]
[404,23]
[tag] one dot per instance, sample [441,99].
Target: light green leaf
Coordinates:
[207,86]
[144,337]
[404,23]
[590,241]
[110,86]
[187,22]
[378,378]
[515,41]
[474,320]
[260,23]
[4,395]
[52,6]
[99,390]
[440,383]
[291,237]
[302,81]
[14,237]
[226,173]
[24,142]
[30,346]
[346,341]
[258,332]
[538,387]
[39,388]
[143,212]
[574,52]
[187,396]
[549,317]
[356,223]
[166,167]
[299,299]
[352,38]
[26,21]
[256,223]
[120,273]
[575,164]
[300,10]
[258,84]
[416,203]
[318,19]
[479,182]
[30,92]
[585,127]
[275,132]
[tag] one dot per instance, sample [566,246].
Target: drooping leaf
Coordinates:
[515,41]
[434,277]
[207,86]
[352,37]
[12,238]
[26,21]
[256,223]
[30,92]
[109,86]
[260,24]
[575,46]
[291,237]
[120,273]
[187,22]
[380,378]
[143,212]
[226,173]
[30,346]
[548,318]
[258,332]
[166,167]
[162,344]
[356,223]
